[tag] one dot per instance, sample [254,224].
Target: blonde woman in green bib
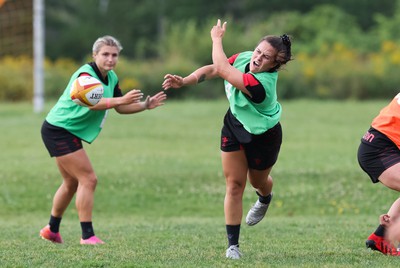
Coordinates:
[68,124]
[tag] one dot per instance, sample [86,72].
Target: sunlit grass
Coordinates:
[159,202]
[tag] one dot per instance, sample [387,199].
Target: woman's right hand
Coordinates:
[133,96]
[172,81]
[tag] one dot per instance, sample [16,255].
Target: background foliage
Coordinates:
[342,49]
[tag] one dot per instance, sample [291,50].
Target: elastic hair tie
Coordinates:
[285,39]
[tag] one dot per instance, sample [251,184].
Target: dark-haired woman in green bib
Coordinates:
[251,136]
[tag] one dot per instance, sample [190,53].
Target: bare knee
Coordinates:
[235,187]
[261,182]
[89,182]
[70,186]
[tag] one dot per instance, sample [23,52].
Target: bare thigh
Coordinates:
[391,177]
[75,165]
[235,167]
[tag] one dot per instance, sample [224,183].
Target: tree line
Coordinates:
[72,26]
[342,49]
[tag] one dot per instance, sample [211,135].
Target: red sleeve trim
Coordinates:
[249,80]
[232,59]
[84,74]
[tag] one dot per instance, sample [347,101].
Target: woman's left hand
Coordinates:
[155,101]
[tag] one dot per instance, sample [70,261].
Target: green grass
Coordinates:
[159,201]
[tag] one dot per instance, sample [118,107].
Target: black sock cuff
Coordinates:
[380,231]
[54,223]
[87,229]
[264,199]
[233,232]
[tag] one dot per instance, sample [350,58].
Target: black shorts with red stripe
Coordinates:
[377,153]
[59,141]
[261,150]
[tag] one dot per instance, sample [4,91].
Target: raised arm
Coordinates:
[223,68]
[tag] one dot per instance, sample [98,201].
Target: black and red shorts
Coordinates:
[261,150]
[59,141]
[377,153]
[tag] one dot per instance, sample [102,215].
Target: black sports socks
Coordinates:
[87,230]
[233,232]
[54,224]
[380,231]
[87,227]
[264,199]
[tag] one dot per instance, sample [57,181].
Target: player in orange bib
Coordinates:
[379,157]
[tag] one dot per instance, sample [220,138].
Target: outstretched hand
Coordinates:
[132,96]
[172,81]
[218,31]
[155,101]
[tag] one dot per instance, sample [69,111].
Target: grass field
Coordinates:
[159,201]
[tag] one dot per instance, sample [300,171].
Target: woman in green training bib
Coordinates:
[251,136]
[68,124]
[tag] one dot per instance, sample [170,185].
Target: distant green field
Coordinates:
[159,201]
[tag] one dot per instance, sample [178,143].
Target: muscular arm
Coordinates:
[129,103]
[148,104]
[109,103]
[199,75]
[221,64]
